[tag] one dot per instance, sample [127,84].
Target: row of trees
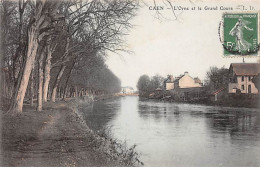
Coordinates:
[56,47]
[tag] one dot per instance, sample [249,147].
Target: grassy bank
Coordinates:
[58,136]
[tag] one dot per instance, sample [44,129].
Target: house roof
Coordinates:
[242,69]
[169,79]
[218,91]
[197,80]
[169,82]
[178,78]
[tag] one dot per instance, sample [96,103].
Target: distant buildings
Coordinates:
[183,81]
[239,80]
[186,81]
[240,77]
[127,90]
[184,87]
[169,83]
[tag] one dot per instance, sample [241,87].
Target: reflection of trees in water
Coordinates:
[159,111]
[235,122]
[176,111]
[155,112]
[98,116]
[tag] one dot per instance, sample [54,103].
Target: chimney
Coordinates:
[186,73]
[171,78]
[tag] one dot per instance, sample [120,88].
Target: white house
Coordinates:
[127,90]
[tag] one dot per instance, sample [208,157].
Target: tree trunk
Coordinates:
[17,105]
[66,84]
[76,92]
[40,83]
[40,21]
[47,74]
[31,89]
[60,92]
[20,48]
[62,68]
[56,83]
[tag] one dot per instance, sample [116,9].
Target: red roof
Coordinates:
[243,69]
[218,90]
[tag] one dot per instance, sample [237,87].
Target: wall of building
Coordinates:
[186,82]
[170,86]
[239,84]
[127,91]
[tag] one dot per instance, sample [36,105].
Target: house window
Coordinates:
[249,78]
[242,87]
[233,80]
[242,78]
[249,88]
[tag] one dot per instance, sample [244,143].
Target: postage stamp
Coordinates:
[241,34]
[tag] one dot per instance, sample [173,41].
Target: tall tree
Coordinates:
[217,77]
[143,85]
[42,54]
[45,12]
[156,82]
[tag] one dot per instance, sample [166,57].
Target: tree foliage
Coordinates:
[146,85]
[216,78]
[256,81]
[156,82]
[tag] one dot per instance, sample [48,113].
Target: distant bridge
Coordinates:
[127,94]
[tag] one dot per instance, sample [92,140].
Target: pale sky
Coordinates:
[190,43]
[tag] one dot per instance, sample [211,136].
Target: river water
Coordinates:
[176,134]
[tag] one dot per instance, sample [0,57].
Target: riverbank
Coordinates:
[205,101]
[230,100]
[57,136]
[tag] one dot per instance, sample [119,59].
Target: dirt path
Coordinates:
[53,137]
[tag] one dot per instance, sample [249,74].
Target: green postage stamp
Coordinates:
[241,34]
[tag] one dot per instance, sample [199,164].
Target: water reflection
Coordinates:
[234,122]
[100,113]
[175,134]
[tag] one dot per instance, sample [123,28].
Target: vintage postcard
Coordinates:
[130,83]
